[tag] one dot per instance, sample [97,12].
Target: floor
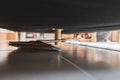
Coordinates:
[74,62]
[104,45]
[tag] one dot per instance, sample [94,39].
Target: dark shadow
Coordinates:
[31,60]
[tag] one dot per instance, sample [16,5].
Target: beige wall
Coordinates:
[3,36]
[114,36]
[7,36]
[11,36]
[67,36]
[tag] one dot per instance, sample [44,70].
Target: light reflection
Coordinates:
[5,47]
[88,56]
[56,59]
[92,56]
[4,52]
[3,57]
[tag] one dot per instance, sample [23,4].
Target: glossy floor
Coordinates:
[74,62]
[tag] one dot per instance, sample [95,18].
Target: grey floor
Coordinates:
[74,62]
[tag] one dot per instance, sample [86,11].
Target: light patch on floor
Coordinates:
[103,45]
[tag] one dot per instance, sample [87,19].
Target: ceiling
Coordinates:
[74,16]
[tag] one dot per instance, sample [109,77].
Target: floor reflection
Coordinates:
[41,65]
[4,52]
[91,57]
[25,63]
[29,61]
[5,47]
[3,59]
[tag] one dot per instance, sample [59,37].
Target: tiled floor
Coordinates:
[74,62]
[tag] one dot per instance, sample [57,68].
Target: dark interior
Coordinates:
[71,15]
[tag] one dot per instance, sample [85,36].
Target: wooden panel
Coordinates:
[11,36]
[114,36]
[94,38]
[67,36]
[118,35]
